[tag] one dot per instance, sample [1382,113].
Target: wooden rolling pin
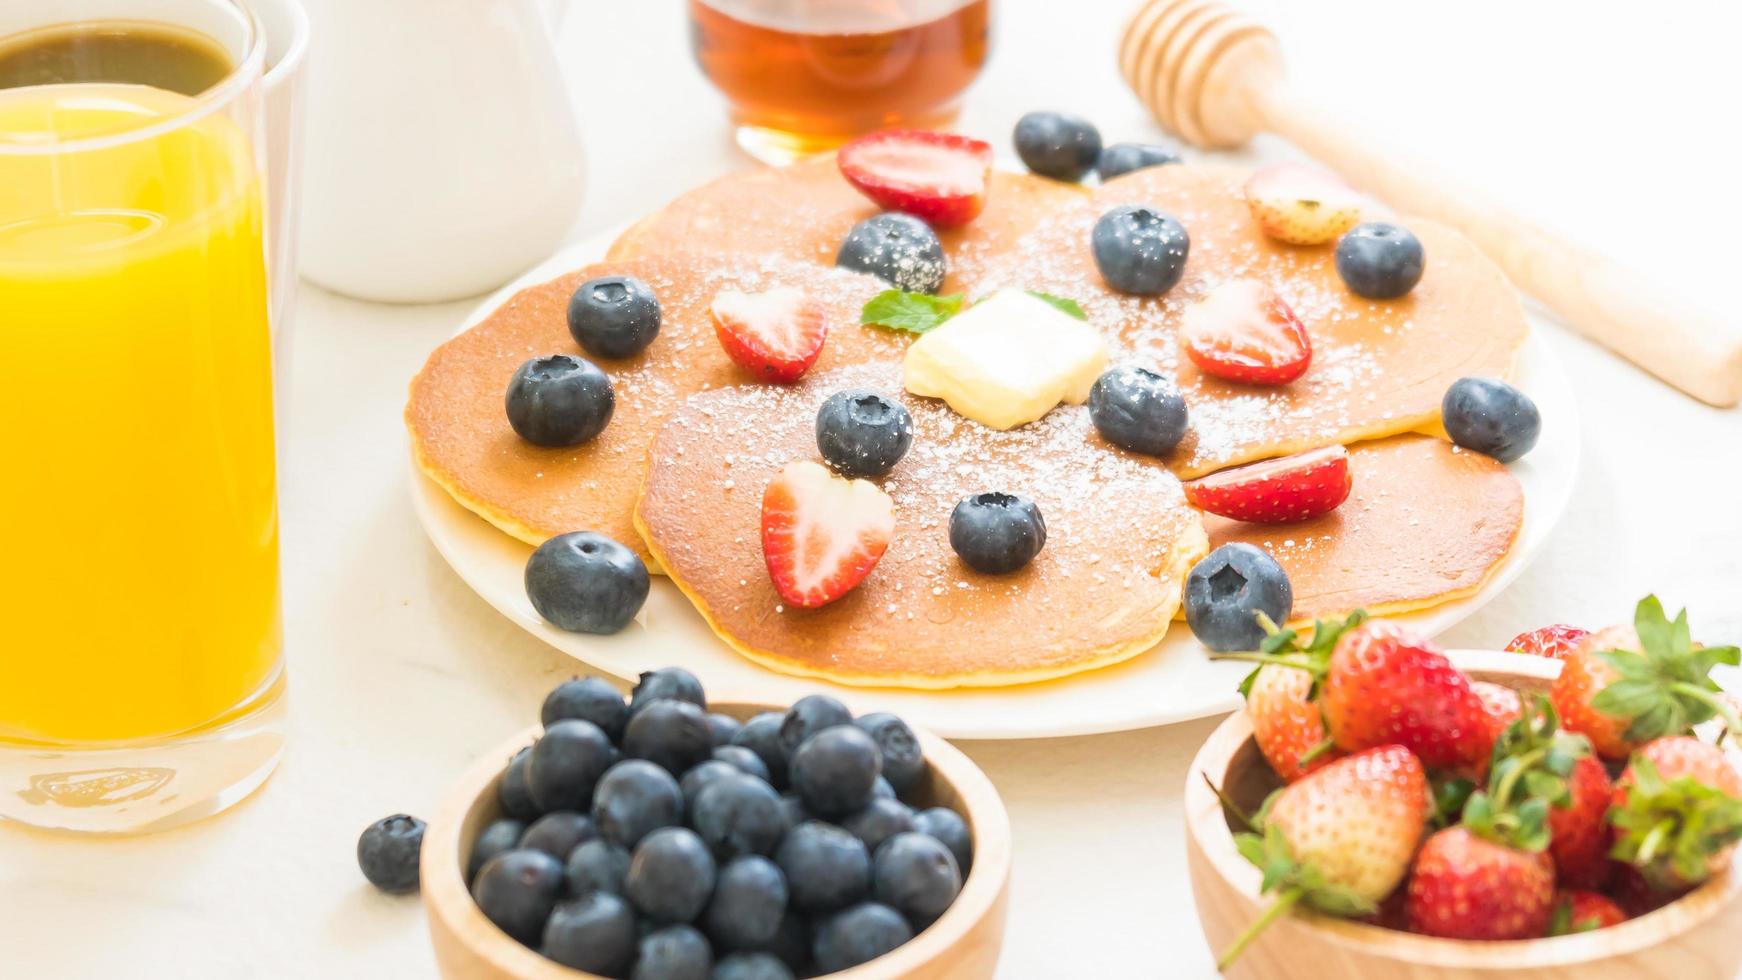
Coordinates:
[1214,76]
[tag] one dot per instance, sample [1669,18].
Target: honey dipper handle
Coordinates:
[1685,346]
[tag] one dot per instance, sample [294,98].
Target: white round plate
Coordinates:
[1171,683]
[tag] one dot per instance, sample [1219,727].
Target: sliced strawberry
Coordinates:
[1548,641]
[1301,205]
[776,335]
[938,177]
[822,534]
[1277,491]
[1243,331]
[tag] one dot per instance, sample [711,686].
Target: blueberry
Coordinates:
[997,533]
[723,727]
[761,735]
[1140,250]
[749,902]
[826,868]
[947,825]
[559,833]
[792,942]
[673,953]
[899,249]
[587,699]
[501,835]
[1138,410]
[879,821]
[750,966]
[833,771]
[861,433]
[667,684]
[1380,260]
[858,935]
[1057,144]
[596,866]
[387,852]
[594,932]
[614,316]
[674,734]
[701,777]
[794,809]
[671,875]
[1122,158]
[743,760]
[517,890]
[807,716]
[1491,417]
[1226,591]
[882,789]
[633,799]
[586,583]
[903,759]
[917,876]
[566,764]
[513,790]
[559,401]
[737,815]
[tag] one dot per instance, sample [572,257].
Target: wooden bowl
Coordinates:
[964,943]
[1699,935]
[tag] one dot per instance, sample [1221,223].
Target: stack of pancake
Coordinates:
[679,472]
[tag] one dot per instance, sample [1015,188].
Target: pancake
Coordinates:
[459,427]
[1379,367]
[803,210]
[1426,523]
[1120,538]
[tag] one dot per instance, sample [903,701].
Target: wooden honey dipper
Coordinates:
[1214,76]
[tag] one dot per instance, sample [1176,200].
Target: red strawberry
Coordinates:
[1285,723]
[1677,812]
[938,177]
[1386,685]
[1301,205]
[822,534]
[1468,887]
[1583,911]
[1502,704]
[1584,674]
[1548,641]
[1578,831]
[777,335]
[1277,491]
[1243,331]
[1339,840]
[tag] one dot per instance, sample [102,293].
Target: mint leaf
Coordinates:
[912,312]
[1060,303]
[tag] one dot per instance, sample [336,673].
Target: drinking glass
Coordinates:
[801,76]
[140,625]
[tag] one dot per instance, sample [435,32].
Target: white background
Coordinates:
[1615,123]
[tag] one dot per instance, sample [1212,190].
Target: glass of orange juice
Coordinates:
[140,625]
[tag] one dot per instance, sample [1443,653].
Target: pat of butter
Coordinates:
[1007,360]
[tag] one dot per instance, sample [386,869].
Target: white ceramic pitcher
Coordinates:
[443,155]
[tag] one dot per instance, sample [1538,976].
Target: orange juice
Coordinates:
[138,524]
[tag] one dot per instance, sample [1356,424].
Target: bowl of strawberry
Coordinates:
[669,836]
[1384,807]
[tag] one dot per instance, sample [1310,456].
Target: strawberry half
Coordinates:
[939,178]
[822,534]
[1301,205]
[1277,491]
[1243,331]
[776,335]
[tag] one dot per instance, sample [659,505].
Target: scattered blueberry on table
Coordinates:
[1380,260]
[899,249]
[1227,590]
[1491,417]
[1058,144]
[388,852]
[585,582]
[1140,250]
[1138,410]
[1123,158]
[863,433]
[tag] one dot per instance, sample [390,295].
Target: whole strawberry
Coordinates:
[1677,812]
[1583,911]
[1286,722]
[1548,641]
[1340,839]
[1467,887]
[1578,832]
[1385,685]
[1502,704]
[1624,686]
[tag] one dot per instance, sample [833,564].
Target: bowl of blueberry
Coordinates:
[664,837]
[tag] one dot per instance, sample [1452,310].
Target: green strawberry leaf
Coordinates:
[1060,303]
[1665,687]
[1669,829]
[1450,795]
[912,312]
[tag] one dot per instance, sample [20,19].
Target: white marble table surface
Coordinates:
[1617,132]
